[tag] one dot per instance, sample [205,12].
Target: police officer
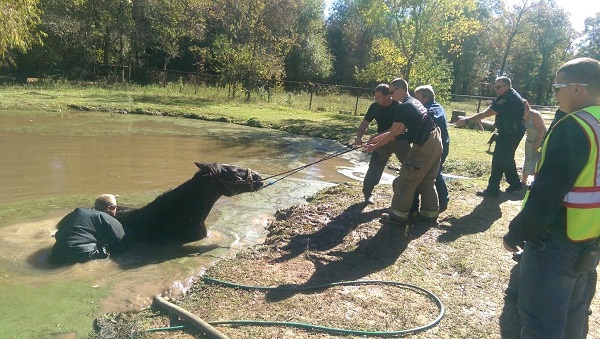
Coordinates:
[509,110]
[560,221]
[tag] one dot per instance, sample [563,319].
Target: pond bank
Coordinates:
[335,237]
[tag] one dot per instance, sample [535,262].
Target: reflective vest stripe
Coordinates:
[583,200]
[587,195]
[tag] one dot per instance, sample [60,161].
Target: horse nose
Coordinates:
[256,181]
[257,185]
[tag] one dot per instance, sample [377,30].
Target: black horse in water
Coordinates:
[179,214]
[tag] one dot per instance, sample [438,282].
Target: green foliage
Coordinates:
[18,21]
[590,45]
[386,59]
[254,44]
[411,47]
[436,72]
[309,59]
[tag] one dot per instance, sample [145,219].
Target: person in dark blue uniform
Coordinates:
[508,107]
[87,234]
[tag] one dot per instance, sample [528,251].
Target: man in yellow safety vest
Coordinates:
[559,224]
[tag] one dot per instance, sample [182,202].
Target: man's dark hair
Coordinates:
[383,89]
[399,83]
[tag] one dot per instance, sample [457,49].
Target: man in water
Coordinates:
[87,234]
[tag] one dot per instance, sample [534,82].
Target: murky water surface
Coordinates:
[64,154]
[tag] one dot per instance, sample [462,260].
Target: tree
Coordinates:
[420,35]
[309,59]
[18,22]
[590,44]
[249,40]
[552,36]
[162,26]
[513,21]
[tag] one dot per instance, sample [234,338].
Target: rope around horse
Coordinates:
[298,169]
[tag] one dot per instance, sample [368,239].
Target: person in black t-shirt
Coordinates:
[508,107]
[382,111]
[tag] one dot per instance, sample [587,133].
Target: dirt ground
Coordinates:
[334,238]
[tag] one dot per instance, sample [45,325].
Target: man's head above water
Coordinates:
[106,203]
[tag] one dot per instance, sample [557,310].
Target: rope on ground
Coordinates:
[430,325]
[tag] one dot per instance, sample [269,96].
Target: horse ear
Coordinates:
[207,168]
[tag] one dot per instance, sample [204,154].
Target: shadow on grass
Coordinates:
[331,235]
[371,255]
[479,220]
[510,321]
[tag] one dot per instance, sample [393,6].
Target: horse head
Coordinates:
[231,180]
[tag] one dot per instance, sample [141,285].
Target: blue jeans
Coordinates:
[553,297]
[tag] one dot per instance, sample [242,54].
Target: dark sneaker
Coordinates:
[427,220]
[387,218]
[488,193]
[514,188]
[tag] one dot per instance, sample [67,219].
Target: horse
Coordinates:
[179,214]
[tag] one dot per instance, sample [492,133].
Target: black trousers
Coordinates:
[503,160]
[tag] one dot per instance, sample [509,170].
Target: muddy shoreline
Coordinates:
[335,237]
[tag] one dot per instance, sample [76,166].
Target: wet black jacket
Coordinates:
[84,231]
